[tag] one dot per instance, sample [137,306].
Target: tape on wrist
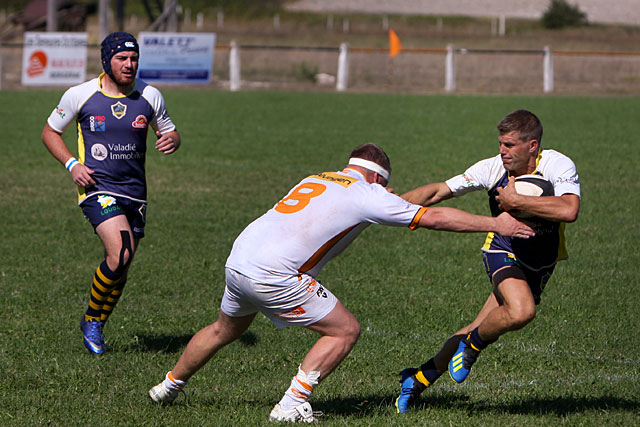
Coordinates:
[71,163]
[371,166]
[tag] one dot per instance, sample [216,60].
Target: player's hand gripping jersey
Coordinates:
[315,222]
[547,247]
[112,134]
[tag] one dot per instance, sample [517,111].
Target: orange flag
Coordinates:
[394,44]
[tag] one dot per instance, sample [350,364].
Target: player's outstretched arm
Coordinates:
[429,194]
[451,219]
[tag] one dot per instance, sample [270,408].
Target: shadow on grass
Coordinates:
[561,406]
[558,406]
[163,343]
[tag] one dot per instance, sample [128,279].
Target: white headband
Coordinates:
[371,166]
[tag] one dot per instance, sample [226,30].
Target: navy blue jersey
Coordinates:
[548,246]
[112,135]
[539,251]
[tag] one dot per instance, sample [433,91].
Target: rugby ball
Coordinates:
[531,185]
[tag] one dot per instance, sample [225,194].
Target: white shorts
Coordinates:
[300,302]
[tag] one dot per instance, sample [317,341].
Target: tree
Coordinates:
[561,14]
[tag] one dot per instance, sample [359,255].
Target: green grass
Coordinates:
[577,364]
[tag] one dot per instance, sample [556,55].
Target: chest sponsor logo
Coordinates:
[140,122]
[118,110]
[97,123]
[99,152]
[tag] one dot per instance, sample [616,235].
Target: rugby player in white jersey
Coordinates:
[518,269]
[113,113]
[275,260]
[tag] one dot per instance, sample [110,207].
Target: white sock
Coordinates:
[172,383]
[300,389]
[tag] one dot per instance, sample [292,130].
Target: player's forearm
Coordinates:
[564,208]
[428,195]
[451,219]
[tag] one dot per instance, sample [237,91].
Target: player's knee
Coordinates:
[352,332]
[119,261]
[522,316]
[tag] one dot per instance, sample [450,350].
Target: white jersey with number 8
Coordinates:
[315,222]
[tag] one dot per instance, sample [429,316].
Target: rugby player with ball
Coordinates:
[539,185]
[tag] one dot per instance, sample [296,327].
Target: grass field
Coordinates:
[577,364]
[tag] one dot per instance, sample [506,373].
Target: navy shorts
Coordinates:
[100,207]
[496,263]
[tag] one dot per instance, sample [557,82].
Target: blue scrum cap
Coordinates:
[114,43]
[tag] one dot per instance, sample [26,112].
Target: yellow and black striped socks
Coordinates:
[104,283]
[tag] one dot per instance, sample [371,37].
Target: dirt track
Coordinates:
[598,11]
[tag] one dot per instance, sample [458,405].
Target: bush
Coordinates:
[561,14]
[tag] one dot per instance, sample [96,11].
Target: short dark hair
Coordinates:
[372,152]
[524,122]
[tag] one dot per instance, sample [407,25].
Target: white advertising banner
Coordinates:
[56,59]
[176,57]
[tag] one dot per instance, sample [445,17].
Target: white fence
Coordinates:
[545,57]
[445,70]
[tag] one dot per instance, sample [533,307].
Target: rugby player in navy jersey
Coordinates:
[113,113]
[518,269]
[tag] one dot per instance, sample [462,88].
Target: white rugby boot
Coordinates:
[162,394]
[300,414]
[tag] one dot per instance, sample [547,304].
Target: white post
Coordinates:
[133,22]
[439,24]
[343,68]
[187,18]
[221,19]
[52,15]
[494,26]
[385,22]
[450,70]
[276,22]
[503,26]
[330,22]
[345,25]
[234,67]
[103,20]
[199,20]
[548,70]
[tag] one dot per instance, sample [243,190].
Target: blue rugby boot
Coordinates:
[462,360]
[409,390]
[92,336]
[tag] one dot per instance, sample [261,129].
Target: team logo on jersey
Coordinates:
[99,152]
[97,123]
[118,110]
[106,201]
[140,122]
[60,112]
